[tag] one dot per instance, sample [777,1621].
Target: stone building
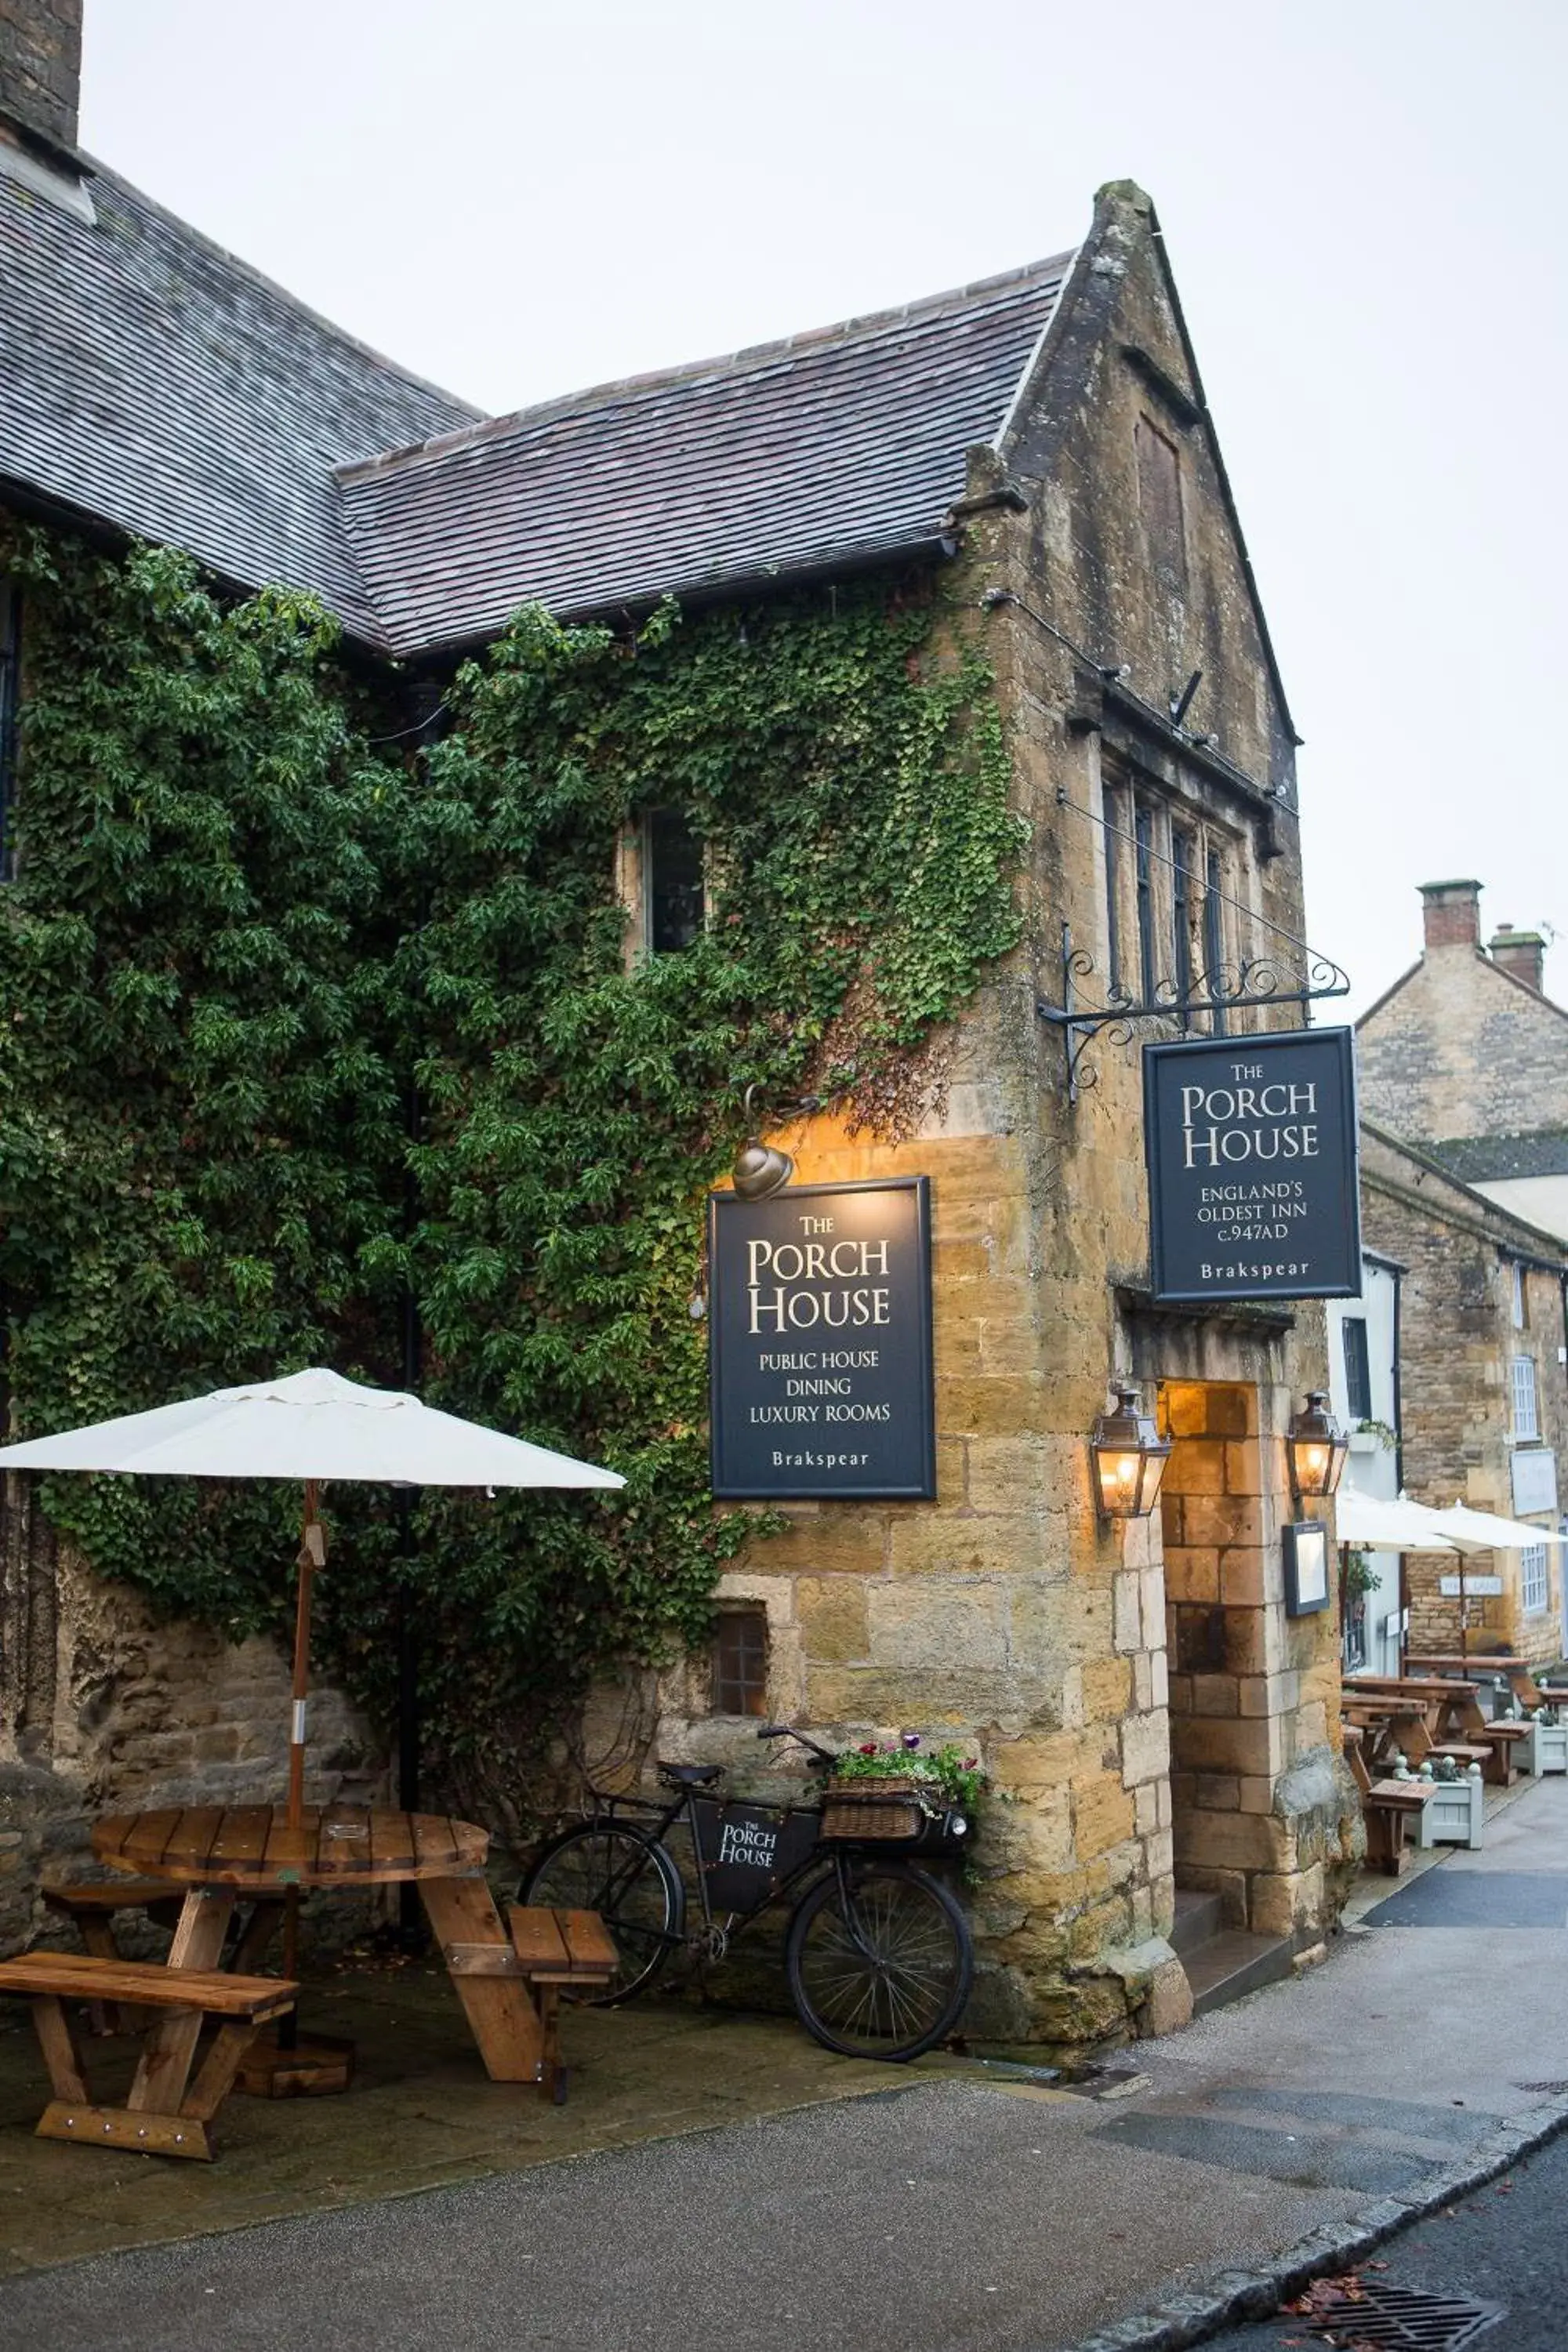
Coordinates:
[1463,1073]
[1043,440]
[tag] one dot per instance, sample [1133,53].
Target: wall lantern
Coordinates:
[1317,1446]
[1128,1455]
[760,1171]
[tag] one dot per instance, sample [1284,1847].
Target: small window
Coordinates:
[1214,938]
[1526,1423]
[1160,500]
[1112,803]
[1517,1290]
[741,1663]
[1183,852]
[672,882]
[1144,840]
[1532,1577]
[1358,1371]
[10,694]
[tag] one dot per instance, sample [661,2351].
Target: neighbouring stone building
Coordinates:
[1463,1071]
[1042,437]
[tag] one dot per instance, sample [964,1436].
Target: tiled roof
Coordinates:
[1500,1158]
[149,379]
[826,450]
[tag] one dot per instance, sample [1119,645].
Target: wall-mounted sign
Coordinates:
[1251,1144]
[1306,1567]
[1534,1479]
[1469,1588]
[820,1342]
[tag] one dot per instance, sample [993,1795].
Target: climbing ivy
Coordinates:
[296,1018]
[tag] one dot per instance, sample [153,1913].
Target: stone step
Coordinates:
[1198,1916]
[1232,1963]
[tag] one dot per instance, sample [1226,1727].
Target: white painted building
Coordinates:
[1363,1374]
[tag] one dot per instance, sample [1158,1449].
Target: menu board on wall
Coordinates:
[820,1342]
[1253,1186]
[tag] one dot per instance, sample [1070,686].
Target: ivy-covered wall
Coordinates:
[298,1017]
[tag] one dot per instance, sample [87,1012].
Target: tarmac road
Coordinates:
[1505,2243]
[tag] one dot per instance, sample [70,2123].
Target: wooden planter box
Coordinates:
[1546,1750]
[1456,1815]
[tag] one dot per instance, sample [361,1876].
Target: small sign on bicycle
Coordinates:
[820,1365]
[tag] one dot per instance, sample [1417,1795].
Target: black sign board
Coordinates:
[1251,1144]
[747,1852]
[820,1348]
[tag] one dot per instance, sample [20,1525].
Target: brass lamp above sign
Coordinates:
[1253,1187]
[820,1336]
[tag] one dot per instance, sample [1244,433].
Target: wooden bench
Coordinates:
[1387,1808]
[161,2115]
[559,1951]
[89,1904]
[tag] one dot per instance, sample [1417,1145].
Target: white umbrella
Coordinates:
[1469,1530]
[1385,1525]
[314,1426]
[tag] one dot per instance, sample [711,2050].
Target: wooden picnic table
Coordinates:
[1434,1716]
[223,1856]
[1521,1677]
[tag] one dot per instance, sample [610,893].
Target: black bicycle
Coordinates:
[877,1953]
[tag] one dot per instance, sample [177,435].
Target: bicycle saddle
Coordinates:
[691,1776]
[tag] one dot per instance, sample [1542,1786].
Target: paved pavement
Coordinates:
[954,2210]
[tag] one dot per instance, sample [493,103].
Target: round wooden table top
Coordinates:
[253,1849]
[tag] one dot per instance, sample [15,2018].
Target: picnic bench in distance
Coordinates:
[1451,1712]
[1519,1677]
[164,2113]
[1388,1807]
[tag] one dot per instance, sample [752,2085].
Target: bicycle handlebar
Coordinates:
[787,1731]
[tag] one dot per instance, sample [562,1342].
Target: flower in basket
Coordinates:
[870,1749]
[911,1741]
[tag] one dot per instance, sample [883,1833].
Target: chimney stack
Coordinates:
[40,71]
[1522,954]
[1451,914]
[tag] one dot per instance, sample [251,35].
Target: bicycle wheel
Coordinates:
[632,1883]
[880,1961]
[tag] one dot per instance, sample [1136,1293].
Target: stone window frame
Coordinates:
[1534,1580]
[1135,807]
[634,883]
[1524,1393]
[737,1667]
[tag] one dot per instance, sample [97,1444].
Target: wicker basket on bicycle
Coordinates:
[884,1812]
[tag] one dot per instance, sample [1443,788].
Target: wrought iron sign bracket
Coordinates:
[1257,981]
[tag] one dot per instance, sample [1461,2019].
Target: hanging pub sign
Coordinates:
[1251,1144]
[820,1342]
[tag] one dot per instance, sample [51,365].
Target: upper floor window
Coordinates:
[1168,911]
[672,881]
[659,880]
[1526,1421]
[1518,1302]
[1358,1368]
[10,693]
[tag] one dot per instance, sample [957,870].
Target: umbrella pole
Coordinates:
[312,1555]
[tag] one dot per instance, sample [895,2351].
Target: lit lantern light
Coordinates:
[1317,1446]
[1128,1455]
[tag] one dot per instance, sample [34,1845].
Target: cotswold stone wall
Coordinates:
[1457,1340]
[1003,1615]
[103,1709]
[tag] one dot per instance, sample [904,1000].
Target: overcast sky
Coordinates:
[516,199]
